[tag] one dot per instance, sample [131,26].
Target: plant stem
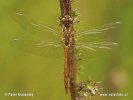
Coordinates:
[68,41]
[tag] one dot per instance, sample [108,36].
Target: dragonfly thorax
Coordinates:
[66,40]
[67,36]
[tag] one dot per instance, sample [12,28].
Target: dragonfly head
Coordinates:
[67,21]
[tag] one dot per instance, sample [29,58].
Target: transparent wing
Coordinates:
[33,28]
[101,29]
[98,45]
[95,42]
[102,33]
[41,48]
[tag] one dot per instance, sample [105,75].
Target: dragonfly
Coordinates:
[91,39]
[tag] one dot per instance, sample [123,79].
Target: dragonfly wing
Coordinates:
[98,45]
[33,28]
[100,29]
[86,51]
[41,48]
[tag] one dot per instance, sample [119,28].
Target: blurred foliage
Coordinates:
[41,72]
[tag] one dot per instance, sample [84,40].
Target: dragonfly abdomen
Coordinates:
[66,40]
[66,70]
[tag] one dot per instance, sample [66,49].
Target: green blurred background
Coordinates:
[25,68]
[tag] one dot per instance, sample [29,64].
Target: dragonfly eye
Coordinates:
[71,19]
[67,18]
[63,19]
